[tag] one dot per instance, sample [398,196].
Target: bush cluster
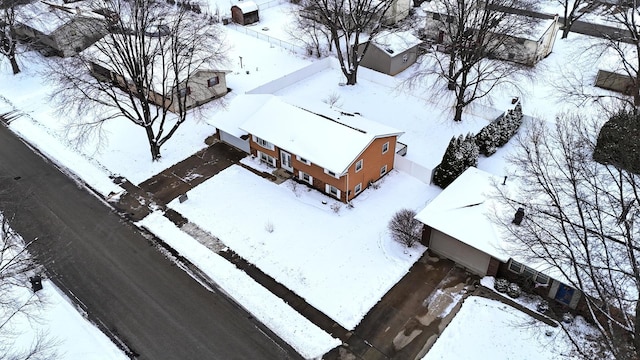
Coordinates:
[617,142]
[499,131]
[461,154]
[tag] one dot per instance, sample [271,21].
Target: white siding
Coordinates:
[473,259]
[234,141]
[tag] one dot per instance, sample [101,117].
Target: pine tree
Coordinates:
[461,154]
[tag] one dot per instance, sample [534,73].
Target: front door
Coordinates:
[564,294]
[285,161]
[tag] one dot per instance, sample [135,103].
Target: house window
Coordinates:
[329,172]
[305,177]
[332,190]
[303,160]
[520,41]
[184,91]
[512,56]
[449,19]
[262,142]
[358,188]
[383,170]
[515,267]
[359,165]
[405,58]
[385,147]
[541,279]
[213,81]
[436,16]
[528,272]
[267,159]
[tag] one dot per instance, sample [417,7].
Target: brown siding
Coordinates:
[374,159]
[319,177]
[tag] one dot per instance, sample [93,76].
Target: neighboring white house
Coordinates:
[398,10]
[533,43]
[457,226]
[57,28]
[203,85]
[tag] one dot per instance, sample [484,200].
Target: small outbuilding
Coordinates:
[245,13]
[390,52]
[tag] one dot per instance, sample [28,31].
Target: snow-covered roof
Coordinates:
[532,28]
[247,6]
[162,77]
[611,61]
[327,137]
[240,108]
[395,43]
[48,16]
[461,210]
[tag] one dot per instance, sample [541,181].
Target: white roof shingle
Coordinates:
[327,137]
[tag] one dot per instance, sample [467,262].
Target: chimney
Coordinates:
[517,219]
[504,182]
[36,283]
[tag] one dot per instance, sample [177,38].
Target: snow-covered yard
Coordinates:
[341,261]
[499,331]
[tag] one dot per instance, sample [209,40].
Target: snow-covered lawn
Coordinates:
[499,331]
[309,340]
[342,262]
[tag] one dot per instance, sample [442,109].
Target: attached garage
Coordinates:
[469,257]
[241,143]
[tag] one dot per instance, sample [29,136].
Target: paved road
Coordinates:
[119,276]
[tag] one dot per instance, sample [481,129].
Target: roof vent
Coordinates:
[517,219]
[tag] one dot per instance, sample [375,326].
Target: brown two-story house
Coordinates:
[333,151]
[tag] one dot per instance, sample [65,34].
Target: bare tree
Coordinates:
[8,36]
[472,34]
[573,11]
[626,46]
[404,228]
[142,71]
[16,268]
[580,221]
[347,22]
[313,34]
[616,55]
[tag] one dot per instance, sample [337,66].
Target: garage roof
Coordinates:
[461,211]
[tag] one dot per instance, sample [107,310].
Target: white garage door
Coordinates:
[473,259]
[234,141]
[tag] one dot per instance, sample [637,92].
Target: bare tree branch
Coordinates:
[142,71]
